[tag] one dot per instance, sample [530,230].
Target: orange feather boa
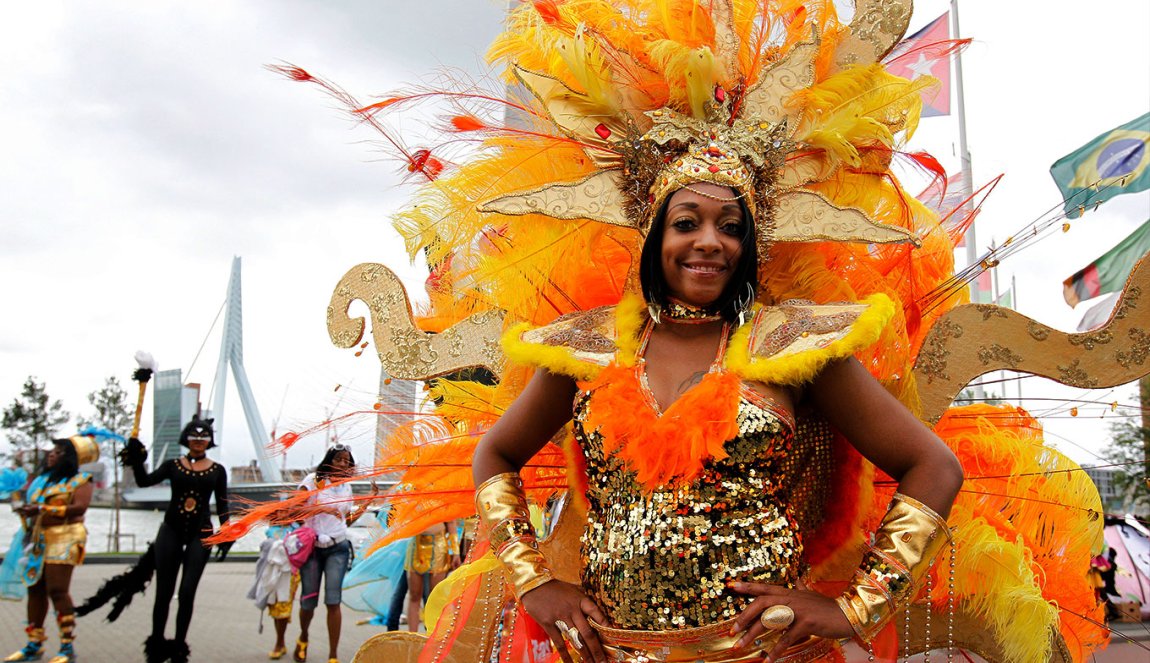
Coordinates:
[668,449]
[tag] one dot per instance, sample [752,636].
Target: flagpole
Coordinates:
[963,151]
[964,160]
[1014,305]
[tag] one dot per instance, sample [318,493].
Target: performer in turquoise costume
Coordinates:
[55,538]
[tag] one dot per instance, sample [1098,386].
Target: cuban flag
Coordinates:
[927,53]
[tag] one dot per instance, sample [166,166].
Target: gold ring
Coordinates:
[777,617]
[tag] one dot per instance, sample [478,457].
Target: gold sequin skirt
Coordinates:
[429,553]
[708,644]
[64,544]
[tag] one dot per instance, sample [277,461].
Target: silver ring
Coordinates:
[570,633]
[777,617]
[573,636]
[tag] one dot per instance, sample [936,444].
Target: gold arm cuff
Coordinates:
[57,510]
[905,546]
[502,508]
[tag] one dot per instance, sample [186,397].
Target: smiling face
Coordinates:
[702,242]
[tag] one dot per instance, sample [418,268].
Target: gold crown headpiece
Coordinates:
[87,451]
[742,156]
[744,139]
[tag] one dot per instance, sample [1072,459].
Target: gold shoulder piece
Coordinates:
[792,342]
[577,344]
[975,339]
[405,351]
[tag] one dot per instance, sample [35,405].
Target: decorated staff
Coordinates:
[142,375]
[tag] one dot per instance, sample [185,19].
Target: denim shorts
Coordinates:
[332,562]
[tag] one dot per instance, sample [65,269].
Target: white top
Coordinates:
[329,529]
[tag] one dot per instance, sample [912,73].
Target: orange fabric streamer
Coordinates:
[667,449]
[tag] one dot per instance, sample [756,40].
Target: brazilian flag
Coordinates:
[1114,163]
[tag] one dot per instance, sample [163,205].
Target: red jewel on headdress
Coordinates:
[603,131]
[713,168]
[720,94]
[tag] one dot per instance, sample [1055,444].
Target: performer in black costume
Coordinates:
[194,478]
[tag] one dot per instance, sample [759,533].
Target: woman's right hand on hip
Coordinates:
[557,603]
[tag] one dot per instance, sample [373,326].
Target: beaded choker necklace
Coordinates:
[683,313]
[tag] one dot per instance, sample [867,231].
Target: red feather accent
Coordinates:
[467,123]
[294,73]
[421,161]
[285,442]
[928,163]
[548,11]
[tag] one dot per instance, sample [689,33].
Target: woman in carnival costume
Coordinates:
[749,471]
[431,555]
[179,551]
[53,515]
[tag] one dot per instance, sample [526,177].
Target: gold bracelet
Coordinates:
[58,510]
[502,507]
[905,546]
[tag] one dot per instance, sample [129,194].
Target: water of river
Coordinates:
[137,528]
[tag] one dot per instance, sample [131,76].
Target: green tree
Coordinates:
[1127,452]
[31,421]
[966,397]
[112,409]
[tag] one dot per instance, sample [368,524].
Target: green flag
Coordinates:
[1114,163]
[1108,273]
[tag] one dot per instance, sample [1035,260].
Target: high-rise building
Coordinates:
[1103,478]
[173,406]
[397,407]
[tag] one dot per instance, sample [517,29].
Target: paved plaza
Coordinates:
[225,627]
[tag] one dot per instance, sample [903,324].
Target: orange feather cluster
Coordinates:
[1022,494]
[667,449]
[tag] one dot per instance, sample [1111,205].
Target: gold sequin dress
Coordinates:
[662,560]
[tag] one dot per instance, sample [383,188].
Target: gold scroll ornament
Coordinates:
[405,351]
[976,339]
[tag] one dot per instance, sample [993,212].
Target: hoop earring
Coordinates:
[744,302]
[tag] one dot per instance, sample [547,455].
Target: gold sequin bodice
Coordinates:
[662,560]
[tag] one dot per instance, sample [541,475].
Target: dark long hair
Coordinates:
[68,465]
[325,469]
[654,282]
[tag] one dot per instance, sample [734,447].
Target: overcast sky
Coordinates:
[144,145]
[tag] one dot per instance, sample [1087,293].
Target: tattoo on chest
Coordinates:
[695,379]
